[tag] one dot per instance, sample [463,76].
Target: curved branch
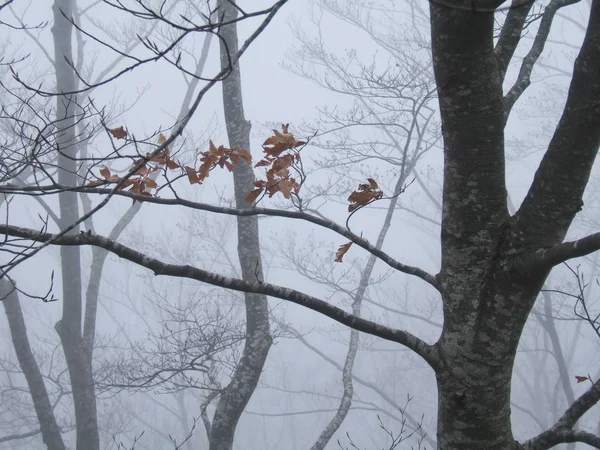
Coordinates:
[426,351]
[562,431]
[325,223]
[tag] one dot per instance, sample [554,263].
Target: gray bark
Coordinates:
[234,398]
[49,429]
[486,302]
[69,327]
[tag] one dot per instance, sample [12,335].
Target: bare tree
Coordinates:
[493,264]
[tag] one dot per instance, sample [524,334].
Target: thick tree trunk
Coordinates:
[485,304]
[69,327]
[235,396]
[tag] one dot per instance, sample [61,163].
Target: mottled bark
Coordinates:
[49,429]
[78,358]
[486,303]
[235,396]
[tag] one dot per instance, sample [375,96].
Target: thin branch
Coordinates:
[510,36]
[524,78]
[325,223]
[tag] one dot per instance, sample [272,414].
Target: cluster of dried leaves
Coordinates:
[281,156]
[138,179]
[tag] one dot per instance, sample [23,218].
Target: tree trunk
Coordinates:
[39,395]
[69,327]
[235,396]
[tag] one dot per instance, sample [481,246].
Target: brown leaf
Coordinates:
[365,193]
[262,162]
[581,379]
[142,171]
[105,172]
[150,183]
[243,154]
[286,186]
[358,199]
[118,133]
[253,195]
[192,175]
[172,164]
[342,251]
[283,162]
[204,170]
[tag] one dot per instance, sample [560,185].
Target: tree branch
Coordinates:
[325,223]
[524,78]
[562,431]
[510,36]
[550,257]
[562,436]
[426,351]
[555,195]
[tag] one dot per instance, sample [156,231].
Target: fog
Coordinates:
[356,84]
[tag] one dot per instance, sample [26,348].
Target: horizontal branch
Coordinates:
[563,431]
[550,257]
[426,351]
[17,436]
[325,223]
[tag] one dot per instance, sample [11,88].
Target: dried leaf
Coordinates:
[150,183]
[118,133]
[253,195]
[262,162]
[172,164]
[283,162]
[243,154]
[192,175]
[365,193]
[105,172]
[581,379]
[342,251]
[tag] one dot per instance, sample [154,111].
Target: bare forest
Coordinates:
[290,225]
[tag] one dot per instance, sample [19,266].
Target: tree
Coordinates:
[59,137]
[493,264]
